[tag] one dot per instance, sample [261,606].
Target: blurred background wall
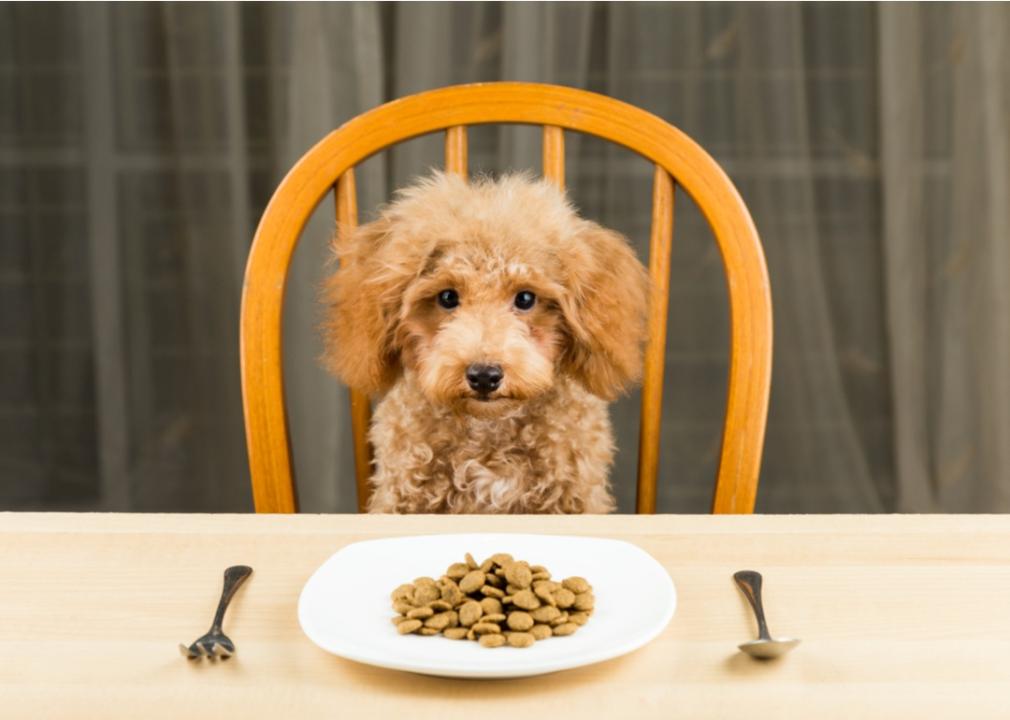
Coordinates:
[140,142]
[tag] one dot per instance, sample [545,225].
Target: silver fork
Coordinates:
[215,644]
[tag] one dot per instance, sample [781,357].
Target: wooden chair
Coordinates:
[679,161]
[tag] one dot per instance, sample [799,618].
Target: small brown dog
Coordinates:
[497,323]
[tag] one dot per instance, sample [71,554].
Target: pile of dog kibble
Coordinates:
[500,601]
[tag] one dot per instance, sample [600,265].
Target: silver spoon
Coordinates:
[765,647]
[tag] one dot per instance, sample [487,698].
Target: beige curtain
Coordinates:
[945,122]
[869,140]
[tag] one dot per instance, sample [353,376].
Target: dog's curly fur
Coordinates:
[541,442]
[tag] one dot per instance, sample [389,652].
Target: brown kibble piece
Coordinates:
[576,585]
[521,639]
[584,601]
[470,562]
[439,621]
[471,581]
[559,620]
[482,628]
[439,605]
[502,559]
[545,595]
[492,592]
[545,613]
[492,641]
[402,606]
[541,632]
[565,629]
[564,598]
[452,594]
[403,592]
[424,594]
[518,575]
[491,606]
[526,600]
[428,631]
[548,585]
[520,621]
[579,618]
[455,633]
[421,613]
[408,626]
[425,580]
[456,571]
[487,566]
[469,613]
[493,580]
[493,617]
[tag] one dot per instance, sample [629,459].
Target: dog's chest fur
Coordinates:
[552,455]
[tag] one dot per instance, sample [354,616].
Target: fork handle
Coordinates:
[233,579]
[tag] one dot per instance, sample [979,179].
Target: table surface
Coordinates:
[900,616]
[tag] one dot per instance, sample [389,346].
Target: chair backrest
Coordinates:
[679,161]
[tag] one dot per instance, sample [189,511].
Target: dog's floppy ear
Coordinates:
[605,309]
[362,300]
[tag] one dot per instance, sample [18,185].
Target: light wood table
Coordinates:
[900,616]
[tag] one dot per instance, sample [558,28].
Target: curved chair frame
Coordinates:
[678,159]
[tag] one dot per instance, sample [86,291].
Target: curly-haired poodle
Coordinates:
[495,323]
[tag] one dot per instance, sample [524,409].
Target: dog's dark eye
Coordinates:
[525,300]
[448,299]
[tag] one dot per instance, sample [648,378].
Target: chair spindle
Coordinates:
[660,242]
[456,150]
[361,408]
[554,155]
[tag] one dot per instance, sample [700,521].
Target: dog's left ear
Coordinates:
[605,309]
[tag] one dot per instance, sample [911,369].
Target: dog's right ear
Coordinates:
[362,300]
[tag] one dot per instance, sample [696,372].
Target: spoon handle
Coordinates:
[749,582]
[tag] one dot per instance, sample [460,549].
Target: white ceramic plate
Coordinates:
[345,608]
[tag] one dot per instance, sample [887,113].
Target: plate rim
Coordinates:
[526,670]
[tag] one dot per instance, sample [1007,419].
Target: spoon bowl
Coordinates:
[768,649]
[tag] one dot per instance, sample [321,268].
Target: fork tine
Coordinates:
[207,647]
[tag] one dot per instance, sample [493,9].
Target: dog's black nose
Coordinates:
[484,378]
